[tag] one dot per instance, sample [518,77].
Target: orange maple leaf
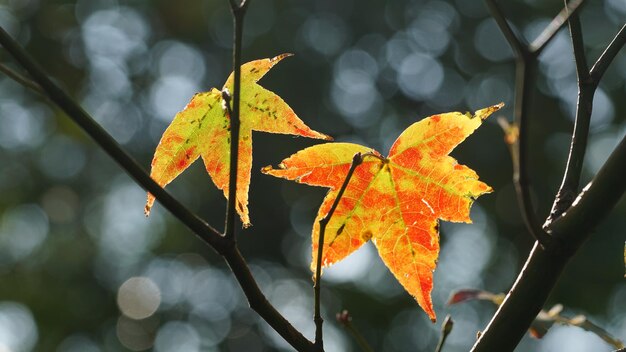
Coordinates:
[202,128]
[395,201]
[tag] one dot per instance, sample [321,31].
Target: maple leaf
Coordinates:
[395,201]
[202,129]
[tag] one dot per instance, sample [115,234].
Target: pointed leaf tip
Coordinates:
[484,113]
[276,59]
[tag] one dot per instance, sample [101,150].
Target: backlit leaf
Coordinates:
[202,129]
[395,201]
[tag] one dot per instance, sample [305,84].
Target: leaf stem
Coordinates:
[239,12]
[446,329]
[323,222]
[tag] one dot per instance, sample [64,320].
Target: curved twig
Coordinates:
[323,222]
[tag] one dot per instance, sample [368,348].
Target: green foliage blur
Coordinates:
[82,269]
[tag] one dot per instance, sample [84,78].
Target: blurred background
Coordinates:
[82,269]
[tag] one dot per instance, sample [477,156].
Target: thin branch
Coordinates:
[584,105]
[576,33]
[587,84]
[570,9]
[525,71]
[239,12]
[525,66]
[521,174]
[199,227]
[323,222]
[543,267]
[594,201]
[446,329]
[259,303]
[26,82]
[598,69]
[345,320]
[517,44]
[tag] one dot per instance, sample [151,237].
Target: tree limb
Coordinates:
[544,266]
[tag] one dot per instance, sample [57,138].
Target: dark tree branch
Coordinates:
[323,222]
[239,12]
[545,263]
[584,105]
[515,41]
[570,9]
[226,248]
[544,266]
[587,84]
[525,72]
[525,65]
[259,303]
[26,82]
[598,69]
[576,33]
